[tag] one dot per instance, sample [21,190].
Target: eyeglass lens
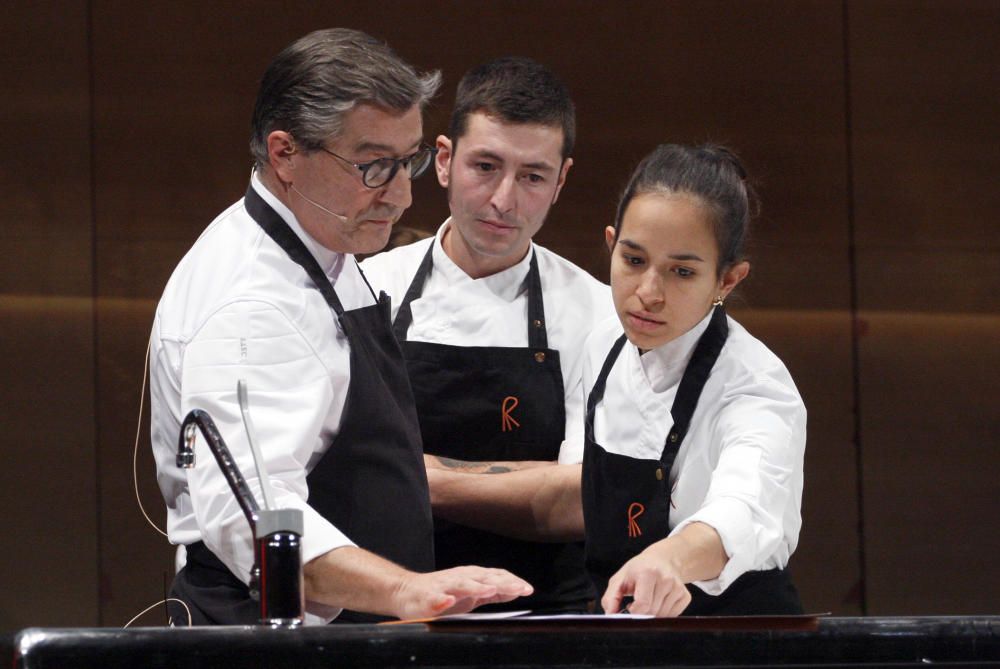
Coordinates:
[383,170]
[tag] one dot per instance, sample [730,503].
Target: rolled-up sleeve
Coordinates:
[290,396]
[755,493]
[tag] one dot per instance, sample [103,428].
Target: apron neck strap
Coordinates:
[706,352]
[537,336]
[277,229]
[404,317]
[597,392]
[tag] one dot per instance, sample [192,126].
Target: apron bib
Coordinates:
[484,403]
[626,501]
[370,483]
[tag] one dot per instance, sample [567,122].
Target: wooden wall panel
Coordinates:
[931,427]
[926,109]
[48,565]
[925,130]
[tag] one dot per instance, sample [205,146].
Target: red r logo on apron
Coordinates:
[508,422]
[634,511]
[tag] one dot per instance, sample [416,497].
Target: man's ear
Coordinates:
[442,161]
[280,151]
[568,163]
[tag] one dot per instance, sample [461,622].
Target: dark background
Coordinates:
[871,128]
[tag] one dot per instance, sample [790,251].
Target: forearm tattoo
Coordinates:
[478,467]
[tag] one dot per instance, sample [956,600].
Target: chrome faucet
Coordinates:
[185,460]
[276,531]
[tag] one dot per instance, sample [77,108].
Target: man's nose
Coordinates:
[398,191]
[505,195]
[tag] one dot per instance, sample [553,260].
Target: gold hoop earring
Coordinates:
[718,301]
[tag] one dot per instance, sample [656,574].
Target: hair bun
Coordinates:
[726,155]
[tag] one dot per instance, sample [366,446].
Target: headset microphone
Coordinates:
[317,204]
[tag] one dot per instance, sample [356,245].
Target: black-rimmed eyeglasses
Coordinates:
[377,173]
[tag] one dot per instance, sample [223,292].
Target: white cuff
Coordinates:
[733,521]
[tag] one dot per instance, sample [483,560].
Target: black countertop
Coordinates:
[801,642]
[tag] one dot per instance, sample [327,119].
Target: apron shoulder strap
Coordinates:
[597,392]
[537,336]
[278,230]
[404,317]
[706,352]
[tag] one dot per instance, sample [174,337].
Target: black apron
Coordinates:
[370,483]
[626,501]
[483,403]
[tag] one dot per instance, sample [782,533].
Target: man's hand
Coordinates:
[351,577]
[456,590]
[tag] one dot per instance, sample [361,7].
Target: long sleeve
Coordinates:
[290,393]
[755,488]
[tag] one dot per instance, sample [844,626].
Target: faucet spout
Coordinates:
[185,460]
[276,575]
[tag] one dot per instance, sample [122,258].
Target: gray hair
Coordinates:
[310,86]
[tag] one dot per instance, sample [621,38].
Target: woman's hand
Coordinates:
[657,578]
[655,586]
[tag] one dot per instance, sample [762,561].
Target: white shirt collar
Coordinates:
[331,262]
[506,285]
[664,366]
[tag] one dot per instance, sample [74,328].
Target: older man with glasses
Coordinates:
[270,293]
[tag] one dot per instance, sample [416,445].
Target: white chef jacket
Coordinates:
[739,469]
[457,310]
[237,307]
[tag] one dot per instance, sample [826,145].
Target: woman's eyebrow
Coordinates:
[635,246]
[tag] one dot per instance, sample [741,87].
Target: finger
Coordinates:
[441,603]
[617,588]
[504,581]
[508,583]
[462,587]
[511,594]
[682,602]
[644,599]
[675,601]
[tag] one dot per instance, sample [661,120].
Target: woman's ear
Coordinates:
[732,277]
[609,237]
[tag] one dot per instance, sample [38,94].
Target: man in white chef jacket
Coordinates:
[270,293]
[492,328]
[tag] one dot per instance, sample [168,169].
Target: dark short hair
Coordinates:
[309,87]
[515,90]
[713,174]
